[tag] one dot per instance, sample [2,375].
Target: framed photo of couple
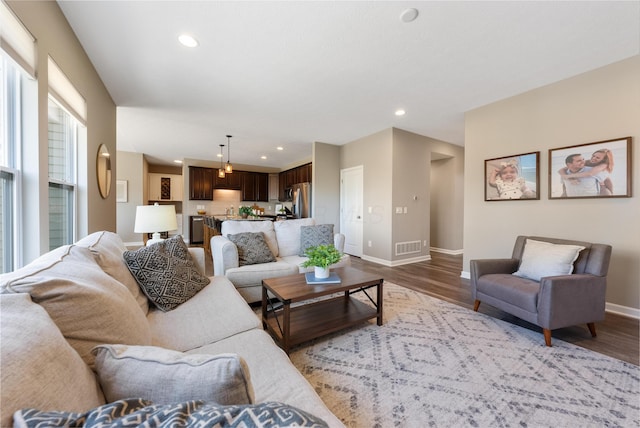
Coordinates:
[594,170]
[513,177]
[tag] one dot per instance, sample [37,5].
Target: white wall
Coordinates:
[599,105]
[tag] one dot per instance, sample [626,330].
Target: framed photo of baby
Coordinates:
[593,170]
[512,177]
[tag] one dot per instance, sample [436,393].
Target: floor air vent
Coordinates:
[408,247]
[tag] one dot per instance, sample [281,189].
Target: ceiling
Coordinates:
[289,73]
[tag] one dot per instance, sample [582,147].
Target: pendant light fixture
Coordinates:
[221,172]
[228,168]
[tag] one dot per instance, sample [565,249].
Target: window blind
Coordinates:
[65,93]
[17,41]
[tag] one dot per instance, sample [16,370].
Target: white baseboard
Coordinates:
[390,263]
[622,310]
[445,251]
[609,307]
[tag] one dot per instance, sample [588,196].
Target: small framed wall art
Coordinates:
[593,170]
[121,191]
[513,177]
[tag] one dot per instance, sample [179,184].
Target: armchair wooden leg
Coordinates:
[592,328]
[476,305]
[547,336]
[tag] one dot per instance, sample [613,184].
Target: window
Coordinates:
[10,140]
[63,139]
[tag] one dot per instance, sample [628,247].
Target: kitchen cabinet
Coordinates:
[201,183]
[165,187]
[274,183]
[231,181]
[255,187]
[288,178]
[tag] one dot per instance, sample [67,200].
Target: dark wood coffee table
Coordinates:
[315,317]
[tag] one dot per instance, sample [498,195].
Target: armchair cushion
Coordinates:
[541,259]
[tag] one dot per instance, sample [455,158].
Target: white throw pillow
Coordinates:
[165,376]
[541,259]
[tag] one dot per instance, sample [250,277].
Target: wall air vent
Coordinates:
[409,247]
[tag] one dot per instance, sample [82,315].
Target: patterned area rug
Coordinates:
[436,364]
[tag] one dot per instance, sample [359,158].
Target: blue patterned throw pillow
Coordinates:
[252,248]
[166,272]
[136,412]
[311,236]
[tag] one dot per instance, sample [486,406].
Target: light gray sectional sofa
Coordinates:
[57,309]
[284,240]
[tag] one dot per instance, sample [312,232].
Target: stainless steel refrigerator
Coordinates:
[301,200]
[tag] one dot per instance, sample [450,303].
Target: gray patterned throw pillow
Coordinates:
[166,272]
[252,248]
[311,236]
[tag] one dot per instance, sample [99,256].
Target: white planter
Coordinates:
[321,272]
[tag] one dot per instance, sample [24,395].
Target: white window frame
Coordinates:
[11,137]
[71,181]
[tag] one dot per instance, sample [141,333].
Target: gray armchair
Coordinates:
[554,301]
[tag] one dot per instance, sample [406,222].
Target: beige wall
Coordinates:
[600,105]
[374,153]
[397,168]
[131,167]
[54,37]
[325,187]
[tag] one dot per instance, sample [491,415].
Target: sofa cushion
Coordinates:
[273,376]
[252,248]
[311,236]
[288,235]
[166,273]
[231,227]
[541,259]
[252,275]
[137,412]
[214,313]
[165,376]
[108,248]
[88,306]
[38,364]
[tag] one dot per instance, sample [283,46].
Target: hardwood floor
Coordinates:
[440,277]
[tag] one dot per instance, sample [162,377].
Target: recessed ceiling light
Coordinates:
[400,112]
[409,15]
[187,40]
[263,157]
[280,148]
[177,161]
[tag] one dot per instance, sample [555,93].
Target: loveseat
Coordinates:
[78,333]
[286,241]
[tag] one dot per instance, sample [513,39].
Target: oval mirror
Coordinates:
[103,171]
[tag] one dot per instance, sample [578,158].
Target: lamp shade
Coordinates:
[155,218]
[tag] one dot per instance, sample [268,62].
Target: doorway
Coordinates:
[351,221]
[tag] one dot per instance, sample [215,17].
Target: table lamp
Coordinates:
[155,219]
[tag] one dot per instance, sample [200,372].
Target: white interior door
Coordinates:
[351,223]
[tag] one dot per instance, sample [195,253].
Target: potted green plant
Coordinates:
[244,211]
[321,257]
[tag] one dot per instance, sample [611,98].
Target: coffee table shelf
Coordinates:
[319,318]
[304,312]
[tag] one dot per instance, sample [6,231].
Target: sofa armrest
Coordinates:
[224,253]
[567,300]
[197,254]
[338,242]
